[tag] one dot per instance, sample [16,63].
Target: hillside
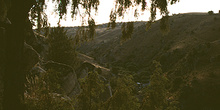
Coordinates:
[189,54]
[187,31]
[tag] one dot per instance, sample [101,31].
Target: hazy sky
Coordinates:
[105,7]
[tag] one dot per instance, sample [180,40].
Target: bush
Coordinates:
[41,93]
[92,87]
[156,94]
[123,97]
[61,49]
[210,12]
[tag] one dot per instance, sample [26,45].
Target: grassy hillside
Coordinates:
[189,55]
[188,33]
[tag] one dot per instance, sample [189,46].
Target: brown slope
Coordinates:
[187,31]
[189,53]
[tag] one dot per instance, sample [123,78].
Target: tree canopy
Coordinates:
[121,6]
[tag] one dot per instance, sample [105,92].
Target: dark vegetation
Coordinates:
[181,73]
[174,65]
[61,48]
[210,12]
[188,56]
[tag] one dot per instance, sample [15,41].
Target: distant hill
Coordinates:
[189,54]
[187,32]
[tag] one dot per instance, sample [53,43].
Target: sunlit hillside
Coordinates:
[189,53]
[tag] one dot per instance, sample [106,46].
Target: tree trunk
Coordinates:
[14,76]
[2,61]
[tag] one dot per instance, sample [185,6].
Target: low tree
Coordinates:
[157,94]
[123,97]
[43,93]
[61,48]
[210,12]
[89,98]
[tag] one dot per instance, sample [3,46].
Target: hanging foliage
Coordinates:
[127,30]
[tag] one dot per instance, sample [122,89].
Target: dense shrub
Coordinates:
[61,48]
[123,97]
[210,12]
[41,93]
[157,95]
[89,98]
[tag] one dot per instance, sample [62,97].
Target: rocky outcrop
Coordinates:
[35,63]
[70,83]
[31,57]
[90,63]
[37,70]
[84,69]
[38,43]
[87,67]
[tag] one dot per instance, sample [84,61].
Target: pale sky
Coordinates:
[184,6]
